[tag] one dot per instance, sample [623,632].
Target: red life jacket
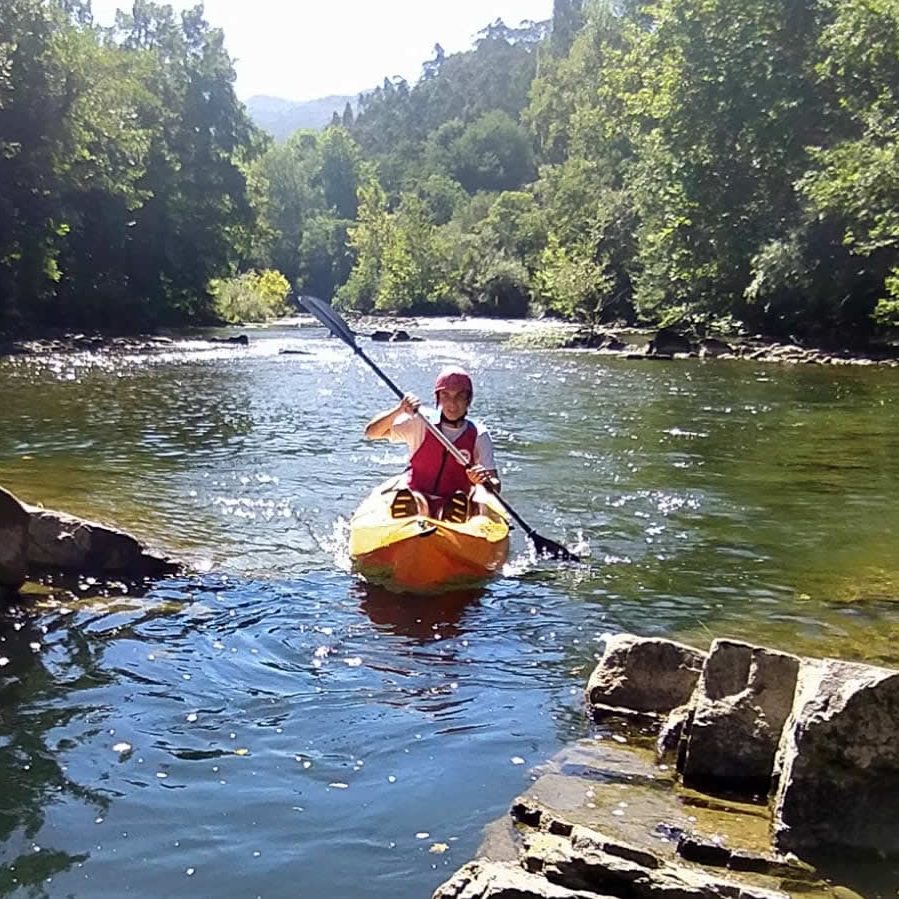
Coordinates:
[434,472]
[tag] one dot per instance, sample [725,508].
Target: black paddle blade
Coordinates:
[551,549]
[329,318]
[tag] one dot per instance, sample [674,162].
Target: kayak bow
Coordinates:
[417,553]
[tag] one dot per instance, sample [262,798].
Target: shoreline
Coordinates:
[633,344]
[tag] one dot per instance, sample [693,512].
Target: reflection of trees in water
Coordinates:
[420,617]
[33,869]
[37,698]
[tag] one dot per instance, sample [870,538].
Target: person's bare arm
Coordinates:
[379,427]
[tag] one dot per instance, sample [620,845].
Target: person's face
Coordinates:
[453,403]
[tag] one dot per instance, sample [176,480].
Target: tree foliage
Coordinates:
[397,125]
[251,296]
[308,188]
[645,160]
[399,258]
[122,160]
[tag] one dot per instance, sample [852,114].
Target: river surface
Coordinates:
[271,726]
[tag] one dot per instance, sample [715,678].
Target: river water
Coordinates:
[271,726]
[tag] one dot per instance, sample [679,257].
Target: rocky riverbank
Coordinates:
[739,772]
[97,343]
[634,344]
[667,344]
[628,343]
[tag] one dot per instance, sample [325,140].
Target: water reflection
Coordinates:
[43,702]
[423,618]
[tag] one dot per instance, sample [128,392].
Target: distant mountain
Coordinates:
[282,117]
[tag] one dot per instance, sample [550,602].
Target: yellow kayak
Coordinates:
[421,554]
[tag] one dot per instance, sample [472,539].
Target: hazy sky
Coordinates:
[311,48]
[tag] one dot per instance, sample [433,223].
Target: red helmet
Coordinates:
[454,379]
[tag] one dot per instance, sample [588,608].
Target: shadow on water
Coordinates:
[421,618]
[55,669]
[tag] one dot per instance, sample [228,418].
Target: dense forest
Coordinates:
[718,163]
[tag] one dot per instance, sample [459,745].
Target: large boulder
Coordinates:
[667,342]
[63,543]
[642,676]
[13,544]
[839,760]
[740,706]
[712,347]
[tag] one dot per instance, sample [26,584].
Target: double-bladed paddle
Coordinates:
[339,328]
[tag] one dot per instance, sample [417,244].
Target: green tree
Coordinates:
[309,190]
[339,170]
[853,188]
[442,196]
[720,105]
[251,297]
[579,117]
[567,21]
[198,221]
[288,196]
[325,259]
[571,98]
[492,153]
[572,282]
[71,163]
[400,260]
[368,240]
[395,122]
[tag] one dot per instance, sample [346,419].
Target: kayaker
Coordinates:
[436,484]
